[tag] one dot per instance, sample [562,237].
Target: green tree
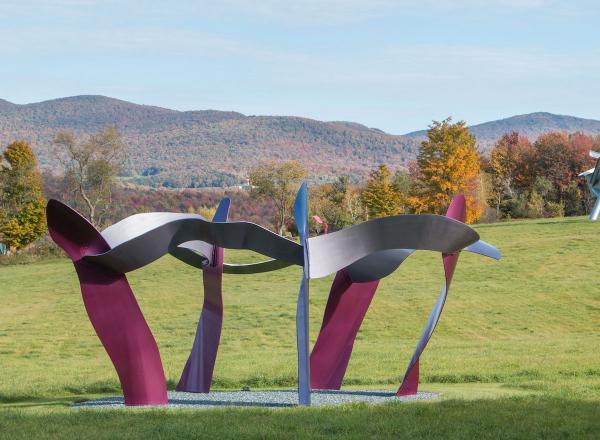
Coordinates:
[22,205]
[379,196]
[277,182]
[338,203]
[448,163]
[91,169]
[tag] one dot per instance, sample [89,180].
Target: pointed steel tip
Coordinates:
[482,248]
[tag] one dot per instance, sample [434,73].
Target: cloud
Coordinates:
[284,12]
[332,12]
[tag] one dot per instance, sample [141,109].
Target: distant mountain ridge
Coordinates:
[217,148]
[531,125]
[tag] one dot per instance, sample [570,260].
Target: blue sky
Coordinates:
[394,65]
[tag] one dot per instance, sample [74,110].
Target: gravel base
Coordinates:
[270,399]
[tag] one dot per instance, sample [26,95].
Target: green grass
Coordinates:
[516,354]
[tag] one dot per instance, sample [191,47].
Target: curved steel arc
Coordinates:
[381,264]
[260,267]
[372,267]
[112,309]
[163,234]
[333,252]
[184,234]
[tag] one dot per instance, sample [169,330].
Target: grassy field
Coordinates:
[516,354]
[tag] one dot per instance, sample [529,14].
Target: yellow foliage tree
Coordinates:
[380,196]
[448,163]
[22,205]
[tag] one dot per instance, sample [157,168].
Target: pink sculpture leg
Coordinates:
[112,309]
[198,371]
[347,305]
[410,383]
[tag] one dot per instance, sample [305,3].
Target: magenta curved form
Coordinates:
[347,305]
[410,383]
[198,371]
[112,309]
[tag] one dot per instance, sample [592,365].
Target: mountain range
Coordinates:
[217,148]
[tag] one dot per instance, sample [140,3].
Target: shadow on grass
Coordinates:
[505,418]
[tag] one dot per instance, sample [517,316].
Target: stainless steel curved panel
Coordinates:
[332,252]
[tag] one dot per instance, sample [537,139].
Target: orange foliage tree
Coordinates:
[448,163]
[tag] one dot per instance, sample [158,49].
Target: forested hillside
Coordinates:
[209,148]
[203,148]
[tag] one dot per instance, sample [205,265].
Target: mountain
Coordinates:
[217,148]
[204,148]
[530,125]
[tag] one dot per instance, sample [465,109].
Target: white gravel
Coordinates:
[269,399]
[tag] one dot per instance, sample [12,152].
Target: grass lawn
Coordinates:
[516,354]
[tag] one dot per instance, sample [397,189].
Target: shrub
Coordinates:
[555,209]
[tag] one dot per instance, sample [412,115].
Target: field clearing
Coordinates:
[516,353]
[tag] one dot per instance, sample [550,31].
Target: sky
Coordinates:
[392,65]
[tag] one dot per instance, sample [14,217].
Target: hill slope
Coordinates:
[531,125]
[524,326]
[216,148]
[204,148]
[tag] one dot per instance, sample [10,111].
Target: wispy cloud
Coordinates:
[286,12]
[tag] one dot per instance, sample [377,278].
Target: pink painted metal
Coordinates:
[112,309]
[347,305]
[198,371]
[321,222]
[410,383]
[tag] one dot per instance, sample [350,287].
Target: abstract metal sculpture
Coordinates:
[348,302]
[360,256]
[593,179]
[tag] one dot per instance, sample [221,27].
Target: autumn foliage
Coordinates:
[22,206]
[448,163]
[540,179]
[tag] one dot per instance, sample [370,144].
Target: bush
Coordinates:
[555,209]
[518,206]
[41,249]
[535,205]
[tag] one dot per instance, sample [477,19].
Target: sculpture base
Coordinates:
[266,398]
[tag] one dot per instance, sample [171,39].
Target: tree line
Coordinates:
[518,179]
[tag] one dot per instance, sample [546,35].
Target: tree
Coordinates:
[22,205]
[277,182]
[560,157]
[510,167]
[448,163]
[380,196]
[91,169]
[339,204]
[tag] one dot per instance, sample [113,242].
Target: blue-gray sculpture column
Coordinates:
[593,180]
[301,218]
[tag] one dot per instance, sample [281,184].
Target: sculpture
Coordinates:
[360,256]
[593,180]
